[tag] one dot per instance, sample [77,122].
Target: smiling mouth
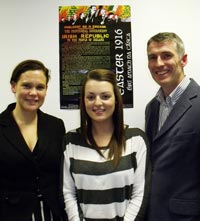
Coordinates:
[32,101]
[161,72]
[99,111]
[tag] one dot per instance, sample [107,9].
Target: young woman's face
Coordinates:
[30,90]
[99,100]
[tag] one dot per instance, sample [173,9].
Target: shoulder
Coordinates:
[6,115]
[191,93]
[153,101]
[193,85]
[133,132]
[50,123]
[71,133]
[47,117]
[72,136]
[136,133]
[73,140]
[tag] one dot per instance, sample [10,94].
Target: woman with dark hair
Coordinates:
[30,150]
[105,172]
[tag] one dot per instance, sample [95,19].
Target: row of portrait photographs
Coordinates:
[93,14]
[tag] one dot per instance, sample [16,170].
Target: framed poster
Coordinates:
[90,37]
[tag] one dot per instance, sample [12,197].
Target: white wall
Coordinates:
[29,29]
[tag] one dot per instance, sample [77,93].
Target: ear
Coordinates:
[184,60]
[13,87]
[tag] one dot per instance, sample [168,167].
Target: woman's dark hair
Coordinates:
[28,65]
[117,142]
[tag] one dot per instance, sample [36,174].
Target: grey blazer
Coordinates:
[175,158]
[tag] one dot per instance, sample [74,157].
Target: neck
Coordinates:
[102,127]
[167,89]
[102,134]
[24,117]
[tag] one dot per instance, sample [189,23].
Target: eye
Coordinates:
[40,87]
[105,96]
[167,55]
[26,86]
[90,97]
[152,57]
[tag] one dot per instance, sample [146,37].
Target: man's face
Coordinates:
[165,64]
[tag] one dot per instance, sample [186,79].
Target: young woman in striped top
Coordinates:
[106,173]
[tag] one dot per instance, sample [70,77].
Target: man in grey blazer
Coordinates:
[173,129]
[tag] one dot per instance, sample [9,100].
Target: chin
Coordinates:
[98,119]
[31,108]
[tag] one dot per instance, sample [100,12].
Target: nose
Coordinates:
[159,61]
[98,101]
[33,91]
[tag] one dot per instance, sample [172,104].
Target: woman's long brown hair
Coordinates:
[117,142]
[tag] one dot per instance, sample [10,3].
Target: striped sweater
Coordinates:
[94,189]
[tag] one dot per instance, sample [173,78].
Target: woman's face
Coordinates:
[30,90]
[99,100]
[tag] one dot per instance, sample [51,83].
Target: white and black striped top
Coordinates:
[94,189]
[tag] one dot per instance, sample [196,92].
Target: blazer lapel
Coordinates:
[180,108]
[152,120]
[13,135]
[43,135]
[175,115]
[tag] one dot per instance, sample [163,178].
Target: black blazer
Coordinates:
[22,175]
[175,158]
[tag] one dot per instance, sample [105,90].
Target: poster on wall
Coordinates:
[90,37]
